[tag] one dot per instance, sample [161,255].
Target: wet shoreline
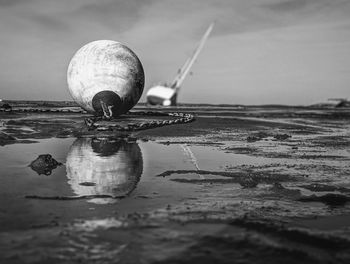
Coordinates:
[273,182]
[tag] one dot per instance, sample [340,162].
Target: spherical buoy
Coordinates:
[105,78]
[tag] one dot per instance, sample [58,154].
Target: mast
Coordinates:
[189,62]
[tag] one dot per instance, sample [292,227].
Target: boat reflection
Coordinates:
[103,167]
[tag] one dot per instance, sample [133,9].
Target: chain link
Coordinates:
[90,122]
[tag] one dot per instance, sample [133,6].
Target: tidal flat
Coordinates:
[241,184]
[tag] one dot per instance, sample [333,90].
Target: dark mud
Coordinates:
[331,199]
[239,185]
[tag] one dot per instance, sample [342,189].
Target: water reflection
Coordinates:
[104,166]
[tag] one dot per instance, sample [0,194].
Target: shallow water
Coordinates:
[100,167]
[119,168]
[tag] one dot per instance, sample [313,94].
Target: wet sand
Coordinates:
[238,185]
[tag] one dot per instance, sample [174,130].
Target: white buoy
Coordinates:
[105,78]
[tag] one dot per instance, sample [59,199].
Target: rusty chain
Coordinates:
[90,122]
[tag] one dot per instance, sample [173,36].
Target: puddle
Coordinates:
[97,167]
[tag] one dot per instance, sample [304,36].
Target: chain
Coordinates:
[42,110]
[180,118]
[90,122]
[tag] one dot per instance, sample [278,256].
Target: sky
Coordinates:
[294,52]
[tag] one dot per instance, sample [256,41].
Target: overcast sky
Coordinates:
[260,52]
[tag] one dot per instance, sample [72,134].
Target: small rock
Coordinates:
[282,136]
[253,139]
[44,164]
[248,183]
[258,136]
[277,186]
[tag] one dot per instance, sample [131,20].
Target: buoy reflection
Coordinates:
[103,166]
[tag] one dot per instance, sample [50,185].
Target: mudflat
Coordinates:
[241,184]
